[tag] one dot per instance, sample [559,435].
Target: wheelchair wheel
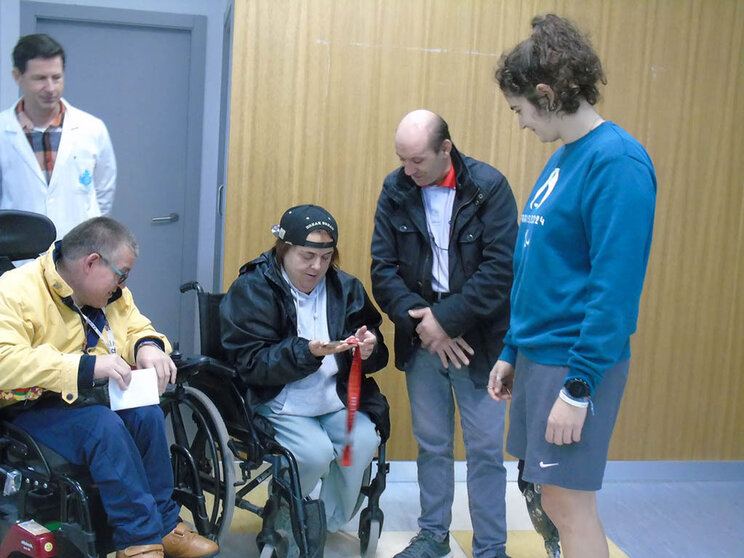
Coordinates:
[195,425]
[370,527]
[268,551]
[276,547]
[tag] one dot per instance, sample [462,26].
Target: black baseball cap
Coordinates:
[299,221]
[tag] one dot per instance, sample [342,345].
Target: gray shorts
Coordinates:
[577,466]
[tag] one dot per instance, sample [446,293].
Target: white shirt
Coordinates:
[438,204]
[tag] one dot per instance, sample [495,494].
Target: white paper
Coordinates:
[142,390]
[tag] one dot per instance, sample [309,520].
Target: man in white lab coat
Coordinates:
[54,159]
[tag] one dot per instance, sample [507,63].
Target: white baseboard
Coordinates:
[617,471]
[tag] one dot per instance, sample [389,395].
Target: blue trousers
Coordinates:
[128,458]
[430,390]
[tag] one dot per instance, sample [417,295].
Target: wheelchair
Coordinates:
[50,507]
[253,446]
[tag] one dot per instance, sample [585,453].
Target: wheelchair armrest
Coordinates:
[192,365]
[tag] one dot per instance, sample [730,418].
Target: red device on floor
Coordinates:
[30,539]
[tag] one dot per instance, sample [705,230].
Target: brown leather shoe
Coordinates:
[184,542]
[141,551]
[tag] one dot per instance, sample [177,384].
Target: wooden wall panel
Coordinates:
[318,87]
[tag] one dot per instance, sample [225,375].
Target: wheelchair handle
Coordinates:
[191,286]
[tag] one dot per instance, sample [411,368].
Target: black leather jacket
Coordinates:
[483,232]
[258,321]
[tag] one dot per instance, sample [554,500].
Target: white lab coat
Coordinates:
[83,181]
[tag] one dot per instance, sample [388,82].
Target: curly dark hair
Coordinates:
[557,54]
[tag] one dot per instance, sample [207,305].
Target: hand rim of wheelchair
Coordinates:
[219,458]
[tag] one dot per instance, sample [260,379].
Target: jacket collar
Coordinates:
[406,187]
[52,277]
[12,127]
[407,193]
[70,126]
[17,139]
[54,280]
[269,266]
[27,125]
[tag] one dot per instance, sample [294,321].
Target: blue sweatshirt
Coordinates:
[581,255]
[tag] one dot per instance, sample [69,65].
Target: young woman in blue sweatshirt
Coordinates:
[579,264]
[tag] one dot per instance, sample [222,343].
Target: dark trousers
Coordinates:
[128,458]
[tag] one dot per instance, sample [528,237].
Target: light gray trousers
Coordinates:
[432,390]
[317,444]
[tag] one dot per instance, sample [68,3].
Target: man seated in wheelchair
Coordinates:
[281,321]
[67,325]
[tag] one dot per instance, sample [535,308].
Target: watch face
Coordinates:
[577,388]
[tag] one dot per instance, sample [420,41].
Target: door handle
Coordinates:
[172,218]
[220,190]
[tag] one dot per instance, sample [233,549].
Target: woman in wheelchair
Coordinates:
[281,321]
[67,325]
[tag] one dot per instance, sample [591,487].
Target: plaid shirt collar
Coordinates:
[28,126]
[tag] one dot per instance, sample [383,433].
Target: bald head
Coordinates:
[424,125]
[423,145]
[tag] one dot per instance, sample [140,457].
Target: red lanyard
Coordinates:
[355,388]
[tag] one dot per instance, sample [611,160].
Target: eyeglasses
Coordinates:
[122,276]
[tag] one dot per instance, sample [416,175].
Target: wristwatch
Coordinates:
[577,388]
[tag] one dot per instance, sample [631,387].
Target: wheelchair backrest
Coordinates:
[220,381]
[210,335]
[23,235]
[228,396]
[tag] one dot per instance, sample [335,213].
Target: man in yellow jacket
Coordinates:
[68,324]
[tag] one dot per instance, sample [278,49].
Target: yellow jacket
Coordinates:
[42,339]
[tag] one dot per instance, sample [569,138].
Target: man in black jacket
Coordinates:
[445,228]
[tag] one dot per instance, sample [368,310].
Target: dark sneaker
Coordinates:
[425,546]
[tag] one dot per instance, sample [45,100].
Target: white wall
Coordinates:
[215,11]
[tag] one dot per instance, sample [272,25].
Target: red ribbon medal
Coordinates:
[355,388]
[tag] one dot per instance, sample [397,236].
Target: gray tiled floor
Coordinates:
[675,519]
[687,517]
